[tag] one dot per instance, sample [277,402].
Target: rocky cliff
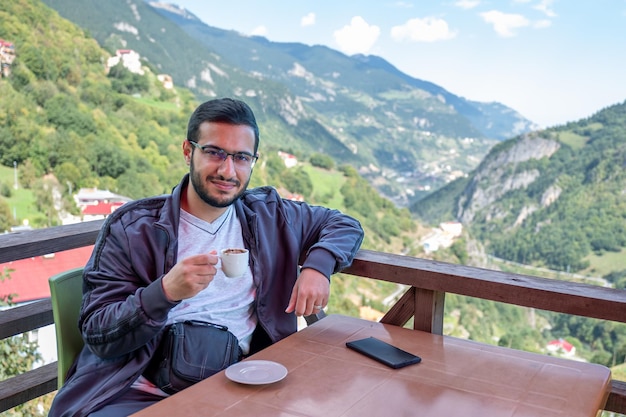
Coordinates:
[500,173]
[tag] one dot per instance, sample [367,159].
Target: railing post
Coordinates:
[429,307]
[425,306]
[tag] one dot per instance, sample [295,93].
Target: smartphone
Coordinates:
[383,352]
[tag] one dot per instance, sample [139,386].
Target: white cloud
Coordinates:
[428,29]
[504,23]
[544,6]
[467,4]
[259,31]
[308,20]
[357,37]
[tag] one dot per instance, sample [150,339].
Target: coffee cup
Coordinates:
[234,262]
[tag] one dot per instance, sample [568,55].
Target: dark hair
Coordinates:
[223,110]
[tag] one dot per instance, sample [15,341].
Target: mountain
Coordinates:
[320,67]
[68,122]
[553,198]
[407,136]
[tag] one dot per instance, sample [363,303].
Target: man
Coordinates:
[155,263]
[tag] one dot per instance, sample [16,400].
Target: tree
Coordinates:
[28,174]
[137,184]
[298,181]
[66,113]
[523,339]
[110,159]
[44,200]
[6,218]
[125,82]
[322,161]
[274,167]
[68,175]
[459,249]
[39,61]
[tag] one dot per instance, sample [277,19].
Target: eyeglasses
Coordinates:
[241,160]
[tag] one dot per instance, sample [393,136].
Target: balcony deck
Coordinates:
[427,281]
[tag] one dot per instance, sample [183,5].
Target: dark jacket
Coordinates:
[124,308]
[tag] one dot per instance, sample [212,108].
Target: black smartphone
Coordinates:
[383,352]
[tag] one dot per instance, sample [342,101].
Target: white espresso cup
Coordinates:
[234,261]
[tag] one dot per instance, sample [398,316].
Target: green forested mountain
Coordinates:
[554,198]
[404,135]
[60,113]
[63,116]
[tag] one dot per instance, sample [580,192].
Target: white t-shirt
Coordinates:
[226,301]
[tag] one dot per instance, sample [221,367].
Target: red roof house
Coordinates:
[561,346]
[101,209]
[29,277]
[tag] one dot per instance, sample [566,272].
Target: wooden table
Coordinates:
[455,378]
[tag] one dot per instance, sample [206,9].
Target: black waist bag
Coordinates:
[190,352]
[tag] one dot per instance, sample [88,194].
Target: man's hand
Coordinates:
[310,293]
[190,276]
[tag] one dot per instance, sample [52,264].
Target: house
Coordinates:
[166,80]
[29,277]
[289,159]
[100,210]
[130,59]
[561,347]
[93,196]
[87,196]
[97,204]
[7,55]
[454,229]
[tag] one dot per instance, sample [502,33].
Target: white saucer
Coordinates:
[256,372]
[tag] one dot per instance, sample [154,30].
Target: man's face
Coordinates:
[219,183]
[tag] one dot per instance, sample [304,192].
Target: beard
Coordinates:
[199,185]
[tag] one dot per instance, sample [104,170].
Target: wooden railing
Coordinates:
[427,282]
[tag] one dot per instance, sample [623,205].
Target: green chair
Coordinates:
[66,292]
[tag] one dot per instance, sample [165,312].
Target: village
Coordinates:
[7,56]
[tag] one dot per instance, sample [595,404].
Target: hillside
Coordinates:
[64,117]
[553,198]
[406,136]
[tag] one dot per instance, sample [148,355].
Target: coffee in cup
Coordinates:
[234,262]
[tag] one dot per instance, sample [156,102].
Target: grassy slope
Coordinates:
[22,201]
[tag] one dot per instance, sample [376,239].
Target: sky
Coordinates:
[553,61]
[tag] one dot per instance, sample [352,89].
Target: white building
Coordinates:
[289,159]
[129,58]
[166,80]
[94,196]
